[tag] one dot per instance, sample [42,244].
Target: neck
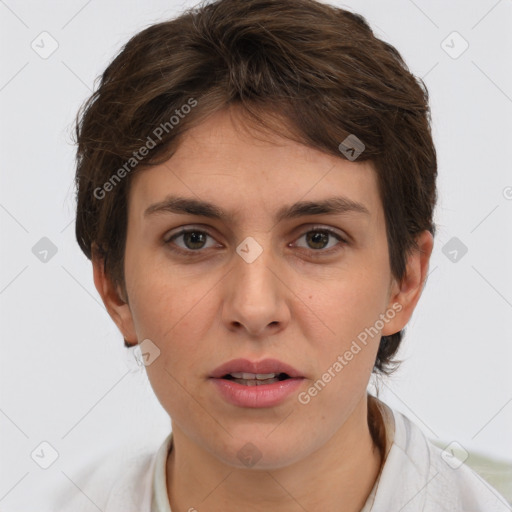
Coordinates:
[339,475]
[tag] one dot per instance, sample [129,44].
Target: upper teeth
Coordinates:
[258,376]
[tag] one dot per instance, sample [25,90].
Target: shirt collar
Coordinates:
[397,435]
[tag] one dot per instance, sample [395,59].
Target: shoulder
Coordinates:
[427,478]
[119,481]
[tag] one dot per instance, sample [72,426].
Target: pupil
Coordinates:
[316,237]
[194,237]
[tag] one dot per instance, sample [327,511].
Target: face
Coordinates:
[302,292]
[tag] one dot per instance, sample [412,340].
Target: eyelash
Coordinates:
[313,252]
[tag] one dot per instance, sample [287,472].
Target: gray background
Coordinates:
[66,377]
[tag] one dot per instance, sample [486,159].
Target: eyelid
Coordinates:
[321,227]
[187,229]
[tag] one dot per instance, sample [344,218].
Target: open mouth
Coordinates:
[255,379]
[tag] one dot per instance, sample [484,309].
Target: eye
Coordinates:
[317,239]
[193,240]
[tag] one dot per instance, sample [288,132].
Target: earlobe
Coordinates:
[405,295]
[116,305]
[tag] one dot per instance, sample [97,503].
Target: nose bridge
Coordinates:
[253,268]
[256,299]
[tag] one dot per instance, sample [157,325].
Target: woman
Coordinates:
[256,184]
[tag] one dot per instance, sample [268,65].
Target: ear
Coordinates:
[405,295]
[113,298]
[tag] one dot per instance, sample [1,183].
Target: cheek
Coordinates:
[176,323]
[337,320]
[161,297]
[344,351]
[175,312]
[169,317]
[349,303]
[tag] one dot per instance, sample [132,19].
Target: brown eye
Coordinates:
[193,240]
[318,240]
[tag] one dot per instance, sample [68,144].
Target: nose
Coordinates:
[255,295]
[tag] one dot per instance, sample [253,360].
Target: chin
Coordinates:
[261,451]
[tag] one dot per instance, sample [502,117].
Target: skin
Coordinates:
[287,304]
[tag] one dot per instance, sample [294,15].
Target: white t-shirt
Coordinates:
[416,477]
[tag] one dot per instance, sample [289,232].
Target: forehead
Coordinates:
[244,173]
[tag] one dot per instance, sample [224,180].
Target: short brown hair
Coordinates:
[318,68]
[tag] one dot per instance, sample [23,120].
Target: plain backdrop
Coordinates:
[66,378]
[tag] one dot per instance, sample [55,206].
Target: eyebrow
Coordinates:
[333,205]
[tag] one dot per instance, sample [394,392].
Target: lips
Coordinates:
[257,370]
[256,384]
